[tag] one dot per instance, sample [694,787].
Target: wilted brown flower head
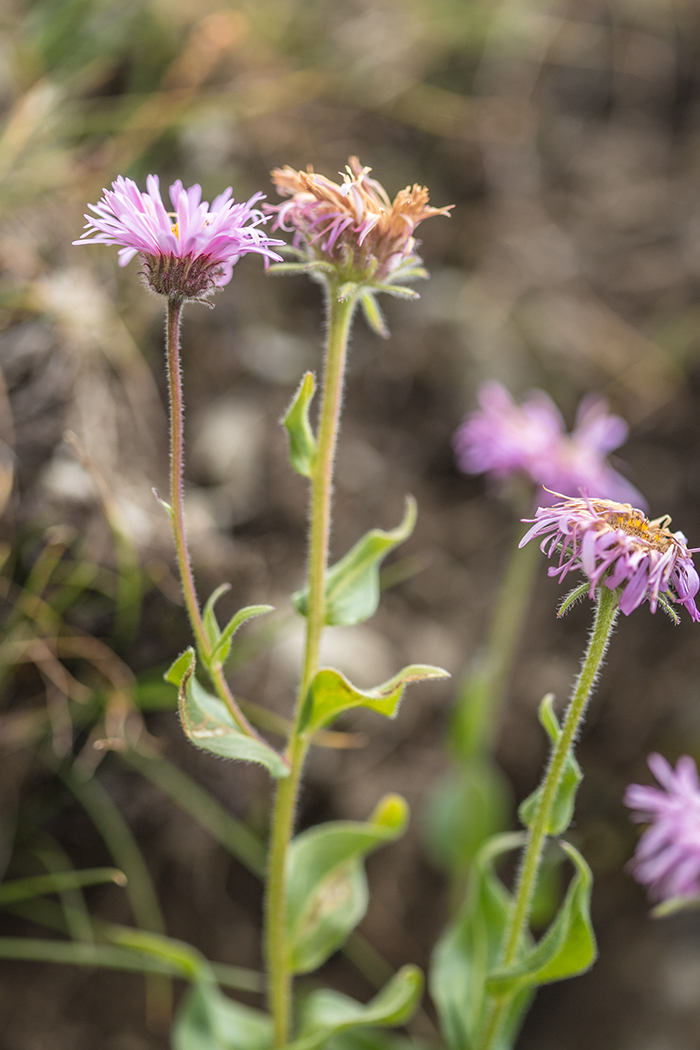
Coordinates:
[353,225]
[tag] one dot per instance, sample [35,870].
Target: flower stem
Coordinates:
[606,614]
[177,513]
[277,952]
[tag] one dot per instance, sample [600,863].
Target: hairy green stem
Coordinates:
[606,614]
[177,513]
[277,954]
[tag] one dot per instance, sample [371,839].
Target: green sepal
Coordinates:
[568,947]
[675,904]
[330,693]
[352,584]
[302,443]
[570,599]
[328,1013]
[565,798]
[347,290]
[327,888]
[469,949]
[373,313]
[208,1020]
[399,291]
[209,725]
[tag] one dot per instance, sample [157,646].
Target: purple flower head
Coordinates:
[616,545]
[188,251]
[667,858]
[353,226]
[503,438]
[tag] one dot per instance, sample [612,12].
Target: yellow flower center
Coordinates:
[655,533]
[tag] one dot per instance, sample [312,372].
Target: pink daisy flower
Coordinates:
[616,545]
[667,858]
[188,251]
[353,225]
[502,438]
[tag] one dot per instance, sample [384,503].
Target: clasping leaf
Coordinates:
[209,724]
[302,443]
[220,641]
[327,887]
[208,1020]
[328,1013]
[330,693]
[352,584]
[565,798]
[568,947]
[469,949]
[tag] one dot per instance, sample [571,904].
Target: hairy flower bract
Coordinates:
[503,439]
[189,251]
[667,858]
[354,225]
[615,545]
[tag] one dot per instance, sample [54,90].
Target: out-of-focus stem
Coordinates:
[279,975]
[606,614]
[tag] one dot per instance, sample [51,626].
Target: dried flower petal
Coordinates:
[353,225]
[615,545]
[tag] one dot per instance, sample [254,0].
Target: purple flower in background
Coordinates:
[616,545]
[667,858]
[188,251]
[503,438]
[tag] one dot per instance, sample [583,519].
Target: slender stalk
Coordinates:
[177,511]
[477,714]
[606,614]
[279,976]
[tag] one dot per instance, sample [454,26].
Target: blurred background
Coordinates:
[567,134]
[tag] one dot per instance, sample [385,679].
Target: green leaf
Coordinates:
[568,947]
[464,808]
[223,647]
[57,882]
[352,584]
[211,626]
[327,888]
[330,693]
[373,313]
[208,1020]
[469,949]
[565,798]
[327,1013]
[302,443]
[209,724]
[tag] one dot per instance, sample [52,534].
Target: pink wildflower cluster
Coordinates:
[667,858]
[188,251]
[353,223]
[502,438]
[616,545]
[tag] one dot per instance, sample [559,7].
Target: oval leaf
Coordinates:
[565,798]
[302,443]
[327,889]
[469,949]
[352,584]
[328,1013]
[330,693]
[208,1020]
[568,947]
[209,724]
